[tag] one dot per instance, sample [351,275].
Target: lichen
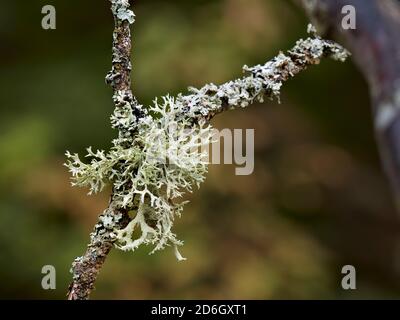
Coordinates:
[164,160]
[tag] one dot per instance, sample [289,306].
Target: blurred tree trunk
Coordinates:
[375,45]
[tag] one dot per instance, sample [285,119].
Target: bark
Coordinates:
[86,268]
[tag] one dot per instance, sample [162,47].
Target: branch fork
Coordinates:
[199,106]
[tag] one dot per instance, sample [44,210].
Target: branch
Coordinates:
[146,189]
[375,47]
[86,268]
[264,81]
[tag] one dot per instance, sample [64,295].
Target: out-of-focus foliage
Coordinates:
[316,201]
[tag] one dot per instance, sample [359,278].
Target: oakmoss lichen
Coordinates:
[164,160]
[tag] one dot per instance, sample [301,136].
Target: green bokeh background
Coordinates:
[317,200]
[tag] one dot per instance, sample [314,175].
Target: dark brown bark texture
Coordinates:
[375,45]
[86,268]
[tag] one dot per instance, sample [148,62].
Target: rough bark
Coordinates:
[86,268]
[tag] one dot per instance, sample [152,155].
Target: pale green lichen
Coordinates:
[164,160]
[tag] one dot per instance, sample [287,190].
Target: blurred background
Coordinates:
[317,200]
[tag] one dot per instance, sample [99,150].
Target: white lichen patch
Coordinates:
[120,9]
